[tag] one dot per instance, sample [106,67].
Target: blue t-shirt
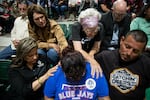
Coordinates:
[87,89]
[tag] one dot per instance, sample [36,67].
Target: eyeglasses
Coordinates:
[119,14]
[22,9]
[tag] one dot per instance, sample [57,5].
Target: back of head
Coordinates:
[73,64]
[35,9]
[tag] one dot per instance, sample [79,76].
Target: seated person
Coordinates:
[19,31]
[127,69]
[47,32]
[60,6]
[86,35]
[116,24]
[73,80]
[28,72]
[142,22]
[6,18]
[72,8]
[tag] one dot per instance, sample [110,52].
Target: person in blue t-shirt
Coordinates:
[73,80]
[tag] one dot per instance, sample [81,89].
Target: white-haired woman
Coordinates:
[86,36]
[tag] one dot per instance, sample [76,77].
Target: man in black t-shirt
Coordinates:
[127,70]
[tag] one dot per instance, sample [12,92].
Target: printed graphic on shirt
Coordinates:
[78,92]
[40,64]
[90,84]
[124,80]
[85,40]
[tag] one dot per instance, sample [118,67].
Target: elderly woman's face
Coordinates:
[90,32]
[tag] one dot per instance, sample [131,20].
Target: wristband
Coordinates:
[39,81]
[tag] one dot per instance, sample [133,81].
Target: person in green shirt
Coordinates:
[147,94]
[142,22]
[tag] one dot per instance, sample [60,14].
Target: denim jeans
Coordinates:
[61,9]
[51,54]
[7,52]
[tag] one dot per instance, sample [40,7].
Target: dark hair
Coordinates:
[138,35]
[73,64]
[143,10]
[23,2]
[24,47]
[34,8]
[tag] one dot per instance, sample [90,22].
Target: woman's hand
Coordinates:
[51,71]
[95,68]
[39,82]
[55,46]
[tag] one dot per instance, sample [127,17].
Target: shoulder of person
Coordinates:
[59,72]
[137,19]
[128,17]
[106,16]
[107,13]
[107,53]
[16,68]
[145,58]
[88,71]
[53,23]
[76,24]
[18,18]
[100,25]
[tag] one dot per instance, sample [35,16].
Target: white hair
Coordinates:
[89,12]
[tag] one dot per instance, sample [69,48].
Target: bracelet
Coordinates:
[39,81]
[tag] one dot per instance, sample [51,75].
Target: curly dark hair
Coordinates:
[73,64]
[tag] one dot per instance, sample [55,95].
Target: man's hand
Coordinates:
[15,42]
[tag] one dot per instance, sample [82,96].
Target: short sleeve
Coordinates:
[100,33]
[50,85]
[49,88]
[76,31]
